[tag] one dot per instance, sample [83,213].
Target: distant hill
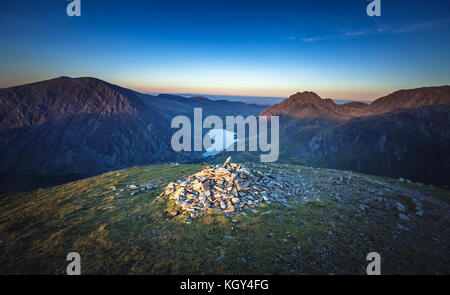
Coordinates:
[259,100]
[85,126]
[169,106]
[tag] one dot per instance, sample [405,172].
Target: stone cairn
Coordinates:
[228,189]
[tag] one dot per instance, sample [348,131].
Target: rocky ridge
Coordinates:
[310,105]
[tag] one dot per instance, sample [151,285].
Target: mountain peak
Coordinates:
[306,104]
[305,97]
[63,97]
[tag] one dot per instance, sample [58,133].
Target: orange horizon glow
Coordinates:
[267,93]
[338,94]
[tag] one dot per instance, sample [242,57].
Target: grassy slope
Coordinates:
[131,234]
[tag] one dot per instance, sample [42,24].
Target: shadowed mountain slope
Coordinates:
[84,126]
[77,126]
[404,134]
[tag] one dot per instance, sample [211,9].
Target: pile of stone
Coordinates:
[229,189]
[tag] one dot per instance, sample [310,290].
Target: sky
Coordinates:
[246,47]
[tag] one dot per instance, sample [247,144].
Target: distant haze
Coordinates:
[261,100]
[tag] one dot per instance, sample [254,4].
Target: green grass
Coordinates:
[133,235]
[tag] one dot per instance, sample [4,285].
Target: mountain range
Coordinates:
[310,105]
[404,134]
[67,128]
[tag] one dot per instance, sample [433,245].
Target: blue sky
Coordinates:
[259,48]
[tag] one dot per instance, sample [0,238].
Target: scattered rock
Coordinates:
[400,206]
[416,202]
[399,226]
[403,217]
